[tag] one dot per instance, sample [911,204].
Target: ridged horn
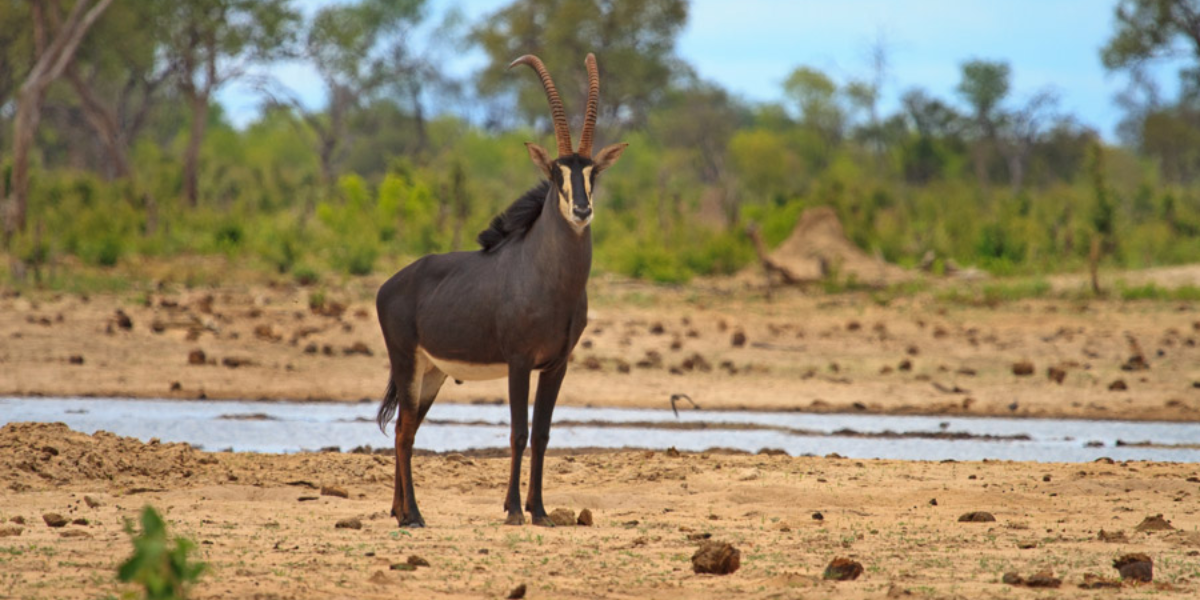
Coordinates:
[589,119]
[562,133]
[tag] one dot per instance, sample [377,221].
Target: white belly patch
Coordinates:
[465,371]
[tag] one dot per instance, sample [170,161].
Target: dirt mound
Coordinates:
[818,248]
[43,455]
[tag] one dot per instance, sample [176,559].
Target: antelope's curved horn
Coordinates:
[562,133]
[589,119]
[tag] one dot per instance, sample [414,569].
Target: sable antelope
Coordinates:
[515,306]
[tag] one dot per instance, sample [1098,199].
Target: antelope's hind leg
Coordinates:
[549,383]
[409,379]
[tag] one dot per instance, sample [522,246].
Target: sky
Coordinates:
[750,46]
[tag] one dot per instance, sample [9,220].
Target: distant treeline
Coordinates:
[112,144]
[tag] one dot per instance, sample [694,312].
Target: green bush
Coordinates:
[160,565]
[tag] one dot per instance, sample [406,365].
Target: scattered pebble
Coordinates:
[350,523]
[977,517]
[333,490]
[1022,368]
[417,561]
[1056,374]
[843,569]
[54,519]
[10,530]
[1118,386]
[562,517]
[717,558]
[739,339]
[585,518]
[197,357]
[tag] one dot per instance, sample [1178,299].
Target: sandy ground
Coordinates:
[267,532]
[800,351]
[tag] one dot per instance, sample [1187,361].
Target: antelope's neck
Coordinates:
[560,254]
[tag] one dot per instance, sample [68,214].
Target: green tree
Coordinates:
[634,43]
[984,85]
[213,42]
[815,95]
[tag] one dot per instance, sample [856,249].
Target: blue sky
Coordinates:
[750,46]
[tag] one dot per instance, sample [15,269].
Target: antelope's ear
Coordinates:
[540,157]
[608,156]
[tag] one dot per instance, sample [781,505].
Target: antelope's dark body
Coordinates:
[516,306]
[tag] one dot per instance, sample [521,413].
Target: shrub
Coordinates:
[160,565]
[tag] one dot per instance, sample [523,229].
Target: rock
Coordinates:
[1137,362]
[19,520]
[739,339]
[1155,523]
[977,517]
[818,516]
[333,490]
[350,523]
[1135,567]
[517,593]
[197,357]
[585,518]
[75,359]
[1043,579]
[562,517]
[843,569]
[1118,386]
[717,558]
[54,519]
[1013,578]
[417,561]
[80,521]
[1095,582]
[123,320]
[1022,368]
[1056,374]
[10,530]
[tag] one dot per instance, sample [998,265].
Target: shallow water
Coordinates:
[293,427]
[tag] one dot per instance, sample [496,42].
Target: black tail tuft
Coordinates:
[387,410]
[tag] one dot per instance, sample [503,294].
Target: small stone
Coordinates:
[977,517]
[843,569]
[10,530]
[739,339]
[123,320]
[350,523]
[80,521]
[562,517]
[75,359]
[1118,386]
[54,519]
[517,593]
[333,490]
[585,518]
[1022,368]
[1056,374]
[1013,578]
[1043,579]
[417,561]
[717,558]
[818,516]
[197,357]
[1135,567]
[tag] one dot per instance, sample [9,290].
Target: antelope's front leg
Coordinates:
[549,383]
[518,402]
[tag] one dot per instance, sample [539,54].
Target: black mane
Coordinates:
[516,219]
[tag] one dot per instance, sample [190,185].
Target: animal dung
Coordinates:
[585,518]
[716,558]
[54,520]
[843,569]
[350,523]
[197,357]
[562,517]
[1118,386]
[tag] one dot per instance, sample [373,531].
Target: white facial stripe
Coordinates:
[587,182]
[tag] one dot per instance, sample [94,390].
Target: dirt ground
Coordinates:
[725,347]
[266,530]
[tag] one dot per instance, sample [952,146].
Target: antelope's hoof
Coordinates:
[515,519]
[543,521]
[411,522]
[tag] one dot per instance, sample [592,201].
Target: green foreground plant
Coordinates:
[160,565]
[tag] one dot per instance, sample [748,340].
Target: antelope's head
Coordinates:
[573,174]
